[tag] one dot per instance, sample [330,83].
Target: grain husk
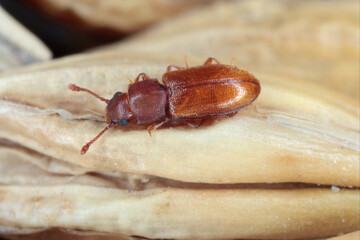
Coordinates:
[349,236]
[159,213]
[36,204]
[262,143]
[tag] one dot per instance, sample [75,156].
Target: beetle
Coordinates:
[193,94]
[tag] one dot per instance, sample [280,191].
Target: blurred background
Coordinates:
[61,30]
[315,40]
[68,27]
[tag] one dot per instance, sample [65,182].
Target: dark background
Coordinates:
[62,36]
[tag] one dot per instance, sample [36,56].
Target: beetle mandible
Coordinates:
[193,94]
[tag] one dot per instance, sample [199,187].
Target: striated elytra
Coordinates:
[193,94]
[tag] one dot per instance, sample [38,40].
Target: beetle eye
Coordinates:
[117,94]
[123,122]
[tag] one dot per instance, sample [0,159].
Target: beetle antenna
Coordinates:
[76,88]
[85,148]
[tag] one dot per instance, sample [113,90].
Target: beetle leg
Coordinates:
[186,62]
[156,126]
[230,114]
[144,77]
[210,59]
[195,123]
[130,81]
[168,69]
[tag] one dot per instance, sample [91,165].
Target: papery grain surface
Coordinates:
[275,139]
[159,213]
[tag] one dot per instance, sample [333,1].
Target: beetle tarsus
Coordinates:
[194,123]
[144,77]
[168,69]
[156,126]
[210,60]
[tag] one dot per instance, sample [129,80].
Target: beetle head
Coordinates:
[118,109]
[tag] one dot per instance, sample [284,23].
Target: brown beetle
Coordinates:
[193,94]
